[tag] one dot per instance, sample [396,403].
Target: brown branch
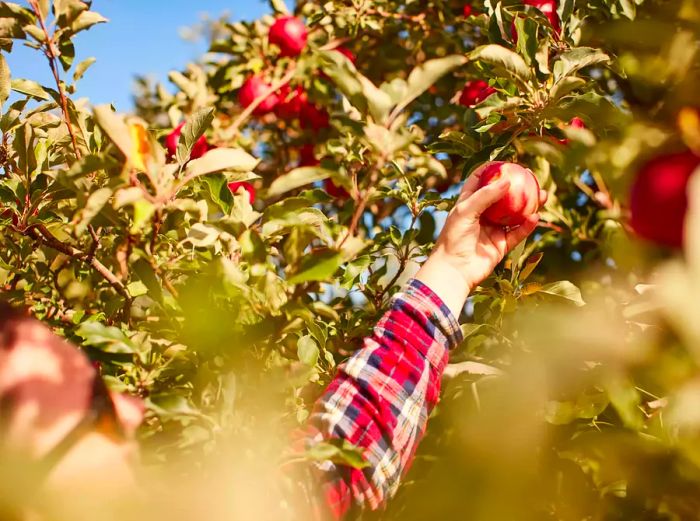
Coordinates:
[40,233]
[52,56]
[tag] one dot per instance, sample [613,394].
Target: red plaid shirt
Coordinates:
[382,396]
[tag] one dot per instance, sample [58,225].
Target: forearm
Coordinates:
[382,396]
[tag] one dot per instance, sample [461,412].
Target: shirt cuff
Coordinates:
[439,314]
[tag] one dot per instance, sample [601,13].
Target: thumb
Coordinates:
[479,201]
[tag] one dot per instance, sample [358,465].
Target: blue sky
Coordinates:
[142,37]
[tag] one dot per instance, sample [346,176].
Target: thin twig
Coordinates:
[52,56]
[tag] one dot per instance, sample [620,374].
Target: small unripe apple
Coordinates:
[520,201]
[289,34]
[236,186]
[474,92]
[200,148]
[253,88]
[659,200]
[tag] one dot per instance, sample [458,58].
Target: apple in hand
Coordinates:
[659,199]
[200,148]
[289,34]
[520,201]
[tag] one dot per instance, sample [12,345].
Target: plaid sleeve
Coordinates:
[382,396]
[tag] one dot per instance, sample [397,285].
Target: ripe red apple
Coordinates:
[347,53]
[290,103]
[522,198]
[314,118]
[307,157]
[334,190]
[289,34]
[575,122]
[467,10]
[234,187]
[200,148]
[253,88]
[474,92]
[658,200]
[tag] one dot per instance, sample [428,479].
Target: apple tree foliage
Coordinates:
[576,393]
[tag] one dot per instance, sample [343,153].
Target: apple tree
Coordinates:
[220,250]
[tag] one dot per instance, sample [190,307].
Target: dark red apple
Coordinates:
[522,198]
[659,201]
[200,148]
[290,103]
[474,92]
[253,88]
[467,10]
[234,187]
[289,34]
[307,157]
[347,53]
[334,190]
[313,117]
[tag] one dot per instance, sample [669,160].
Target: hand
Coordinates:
[468,250]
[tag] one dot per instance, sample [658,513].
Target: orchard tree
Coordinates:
[222,249]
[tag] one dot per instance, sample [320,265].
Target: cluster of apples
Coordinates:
[200,148]
[290,35]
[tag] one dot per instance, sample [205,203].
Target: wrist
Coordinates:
[442,274]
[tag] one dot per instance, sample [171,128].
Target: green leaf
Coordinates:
[338,451]
[93,206]
[86,20]
[115,127]
[505,62]
[296,178]
[30,88]
[143,211]
[137,288]
[564,289]
[5,82]
[307,350]
[425,75]
[194,129]
[317,267]
[219,159]
[106,338]
[82,67]
[576,59]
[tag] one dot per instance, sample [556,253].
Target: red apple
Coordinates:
[314,118]
[467,10]
[307,157]
[290,103]
[575,122]
[474,92]
[253,88]
[549,9]
[234,187]
[522,198]
[334,190]
[658,200]
[289,34]
[198,150]
[347,53]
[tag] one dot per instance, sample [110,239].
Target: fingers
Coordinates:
[471,185]
[517,235]
[473,206]
[543,197]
